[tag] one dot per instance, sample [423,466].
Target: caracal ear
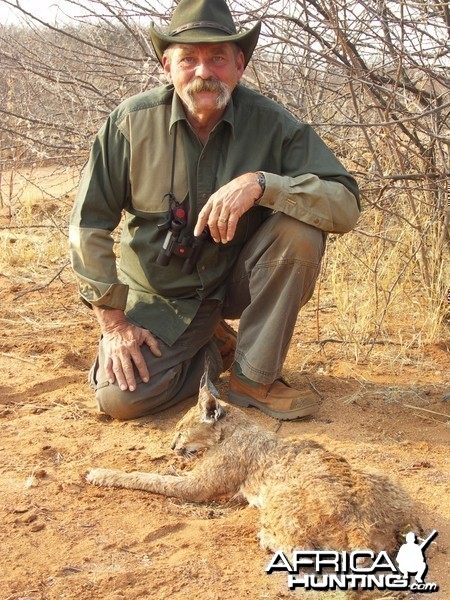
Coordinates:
[210,408]
[208,398]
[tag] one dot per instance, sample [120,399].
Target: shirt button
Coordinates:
[202,268]
[204,196]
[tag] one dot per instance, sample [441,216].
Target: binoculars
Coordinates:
[187,247]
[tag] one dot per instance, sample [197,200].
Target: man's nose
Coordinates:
[203,70]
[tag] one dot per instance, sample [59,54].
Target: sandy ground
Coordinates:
[62,538]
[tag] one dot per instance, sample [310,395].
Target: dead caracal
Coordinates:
[309,497]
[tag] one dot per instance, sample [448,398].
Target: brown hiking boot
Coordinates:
[276,399]
[225,339]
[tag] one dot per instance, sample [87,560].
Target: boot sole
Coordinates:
[281,415]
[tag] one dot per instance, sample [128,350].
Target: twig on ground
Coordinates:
[42,286]
[426,410]
[15,357]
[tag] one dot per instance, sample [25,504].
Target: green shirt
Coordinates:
[130,171]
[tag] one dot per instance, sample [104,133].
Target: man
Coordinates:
[227,201]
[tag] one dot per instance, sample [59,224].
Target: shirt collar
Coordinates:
[177,112]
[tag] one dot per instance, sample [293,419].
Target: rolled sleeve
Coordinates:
[94,262]
[327,205]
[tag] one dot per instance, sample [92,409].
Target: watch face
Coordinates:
[262,181]
[262,184]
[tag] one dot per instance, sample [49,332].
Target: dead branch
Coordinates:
[42,286]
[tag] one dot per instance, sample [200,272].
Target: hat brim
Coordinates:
[246,40]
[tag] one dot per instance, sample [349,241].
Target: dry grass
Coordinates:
[388,284]
[34,209]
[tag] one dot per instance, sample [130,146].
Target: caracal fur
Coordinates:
[309,497]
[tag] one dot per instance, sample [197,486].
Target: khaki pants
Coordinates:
[272,279]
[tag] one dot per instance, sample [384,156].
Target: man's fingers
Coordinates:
[153,345]
[231,227]
[109,370]
[226,206]
[124,368]
[124,372]
[214,231]
[225,226]
[121,365]
[202,220]
[141,367]
[216,219]
[218,224]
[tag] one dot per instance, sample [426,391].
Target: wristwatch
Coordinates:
[262,183]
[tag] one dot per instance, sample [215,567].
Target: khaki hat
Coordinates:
[204,21]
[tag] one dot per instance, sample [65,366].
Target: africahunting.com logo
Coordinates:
[358,570]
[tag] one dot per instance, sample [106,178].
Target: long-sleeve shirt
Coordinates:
[146,149]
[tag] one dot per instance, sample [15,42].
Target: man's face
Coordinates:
[204,75]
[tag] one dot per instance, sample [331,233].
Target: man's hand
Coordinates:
[122,343]
[227,205]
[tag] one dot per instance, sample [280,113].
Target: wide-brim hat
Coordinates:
[204,22]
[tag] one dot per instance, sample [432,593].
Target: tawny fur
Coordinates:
[309,497]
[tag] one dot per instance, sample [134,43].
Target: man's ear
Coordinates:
[210,408]
[240,64]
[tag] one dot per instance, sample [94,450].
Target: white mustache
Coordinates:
[206,85]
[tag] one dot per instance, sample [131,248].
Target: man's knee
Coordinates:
[295,239]
[126,405]
[148,397]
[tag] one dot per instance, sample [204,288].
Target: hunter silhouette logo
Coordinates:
[358,570]
[411,557]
